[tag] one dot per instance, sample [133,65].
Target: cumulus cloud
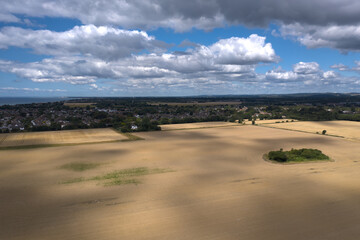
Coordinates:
[342,67]
[343,37]
[124,76]
[102,42]
[309,77]
[281,75]
[306,72]
[321,23]
[239,51]
[50,70]
[306,68]
[233,58]
[111,44]
[330,74]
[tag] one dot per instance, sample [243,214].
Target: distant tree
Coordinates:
[323,132]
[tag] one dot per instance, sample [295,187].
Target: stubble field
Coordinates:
[182,126]
[60,137]
[345,129]
[217,186]
[194,103]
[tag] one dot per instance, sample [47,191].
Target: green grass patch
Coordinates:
[119,177]
[297,155]
[74,180]
[79,167]
[122,181]
[130,172]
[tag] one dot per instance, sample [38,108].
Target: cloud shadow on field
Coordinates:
[289,142]
[84,153]
[207,197]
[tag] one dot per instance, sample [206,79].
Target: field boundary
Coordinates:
[295,130]
[176,129]
[130,137]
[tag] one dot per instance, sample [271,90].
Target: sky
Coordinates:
[178,48]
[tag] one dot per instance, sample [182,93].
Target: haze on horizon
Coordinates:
[179,48]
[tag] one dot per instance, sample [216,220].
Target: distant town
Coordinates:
[146,114]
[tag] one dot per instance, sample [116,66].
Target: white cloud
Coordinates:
[103,42]
[140,74]
[330,74]
[229,58]
[302,72]
[342,67]
[279,74]
[225,56]
[31,89]
[306,68]
[241,51]
[226,64]
[321,23]
[88,43]
[308,73]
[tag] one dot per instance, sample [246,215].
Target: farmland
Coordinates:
[78,104]
[186,184]
[217,103]
[60,137]
[167,127]
[345,129]
[181,126]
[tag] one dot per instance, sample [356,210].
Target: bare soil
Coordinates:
[220,188]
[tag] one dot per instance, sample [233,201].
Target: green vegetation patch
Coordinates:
[126,176]
[79,167]
[73,180]
[119,177]
[297,155]
[122,181]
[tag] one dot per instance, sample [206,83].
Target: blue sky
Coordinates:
[168,48]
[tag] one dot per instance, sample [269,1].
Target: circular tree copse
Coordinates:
[296,155]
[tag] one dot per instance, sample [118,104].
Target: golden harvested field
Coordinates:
[219,188]
[193,103]
[77,104]
[179,126]
[60,137]
[346,129]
